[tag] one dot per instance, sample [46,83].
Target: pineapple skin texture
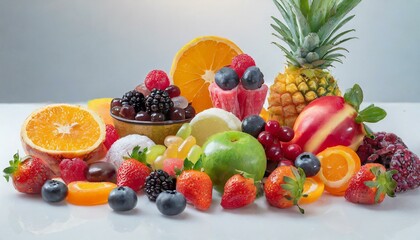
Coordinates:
[296,88]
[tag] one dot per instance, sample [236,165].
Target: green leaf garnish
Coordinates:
[354,96]
[14,166]
[371,114]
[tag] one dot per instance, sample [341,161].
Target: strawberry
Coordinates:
[28,173]
[284,187]
[370,184]
[133,170]
[195,185]
[239,191]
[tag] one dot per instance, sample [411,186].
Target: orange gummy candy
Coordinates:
[89,193]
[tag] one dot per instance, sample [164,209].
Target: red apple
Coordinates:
[333,120]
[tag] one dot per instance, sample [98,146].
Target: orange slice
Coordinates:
[102,107]
[89,193]
[338,165]
[60,131]
[313,188]
[195,65]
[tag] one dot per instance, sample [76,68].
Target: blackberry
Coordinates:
[389,150]
[157,182]
[158,101]
[135,99]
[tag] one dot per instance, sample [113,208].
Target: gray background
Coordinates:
[72,51]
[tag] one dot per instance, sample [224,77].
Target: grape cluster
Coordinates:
[274,138]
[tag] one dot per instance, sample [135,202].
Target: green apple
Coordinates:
[227,152]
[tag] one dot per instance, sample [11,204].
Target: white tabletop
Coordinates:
[28,217]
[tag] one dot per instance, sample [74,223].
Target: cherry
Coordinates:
[143,116]
[128,112]
[173,91]
[116,110]
[116,102]
[273,127]
[266,139]
[292,151]
[189,111]
[286,134]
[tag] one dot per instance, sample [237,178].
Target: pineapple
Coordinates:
[311,32]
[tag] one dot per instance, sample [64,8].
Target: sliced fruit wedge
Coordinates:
[313,188]
[195,65]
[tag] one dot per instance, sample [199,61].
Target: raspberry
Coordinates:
[240,63]
[156,79]
[73,170]
[111,136]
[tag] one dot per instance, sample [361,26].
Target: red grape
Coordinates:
[266,139]
[274,153]
[286,134]
[273,127]
[292,151]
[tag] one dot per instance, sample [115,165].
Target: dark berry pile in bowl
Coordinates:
[158,106]
[155,109]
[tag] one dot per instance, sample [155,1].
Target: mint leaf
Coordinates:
[354,96]
[371,114]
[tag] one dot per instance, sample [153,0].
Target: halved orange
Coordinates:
[313,188]
[102,107]
[89,193]
[195,65]
[60,131]
[338,165]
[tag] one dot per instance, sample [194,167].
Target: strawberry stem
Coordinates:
[295,187]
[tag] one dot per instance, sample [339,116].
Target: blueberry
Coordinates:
[226,78]
[122,199]
[54,191]
[171,202]
[253,125]
[309,163]
[252,78]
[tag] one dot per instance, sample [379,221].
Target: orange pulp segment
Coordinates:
[313,188]
[89,193]
[338,165]
[195,65]
[63,129]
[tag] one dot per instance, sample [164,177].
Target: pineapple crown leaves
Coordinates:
[295,187]
[139,155]
[384,183]
[371,114]
[13,166]
[188,165]
[311,30]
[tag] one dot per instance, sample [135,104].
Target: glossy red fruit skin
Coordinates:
[31,175]
[238,192]
[358,192]
[273,127]
[266,139]
[292,151]
[133,174]
[326,122]
[156,79]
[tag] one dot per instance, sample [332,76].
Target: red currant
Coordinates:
[266,139]
[274,153]
[286,134]
[273,127]
[292,151]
